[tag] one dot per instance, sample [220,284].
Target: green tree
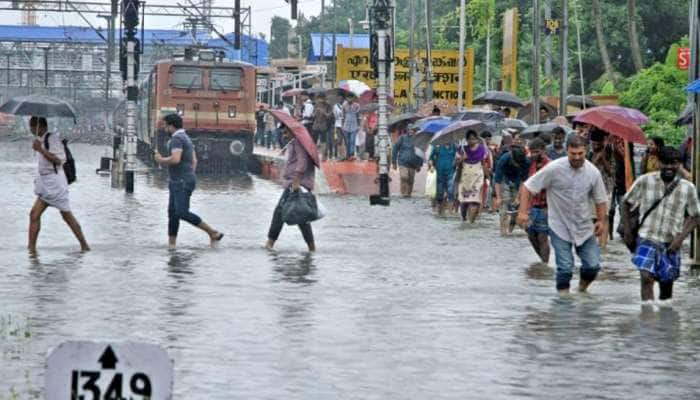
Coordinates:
[658,92]
[279,35]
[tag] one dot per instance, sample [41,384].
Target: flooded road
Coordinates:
[396,304]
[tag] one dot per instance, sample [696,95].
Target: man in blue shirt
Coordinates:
[181,163]
[511,171]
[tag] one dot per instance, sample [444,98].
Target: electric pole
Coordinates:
[382,57]
[429,49]
[564,44]
[412,57]
[129,65]
[536,62]
[460,85]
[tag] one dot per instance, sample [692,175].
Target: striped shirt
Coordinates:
[666,221]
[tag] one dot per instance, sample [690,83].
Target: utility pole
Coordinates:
[694,74]
[323,75]
[335,30]
[412,57]
[46,66]
[548,48]
[130,70]
[237,28]
[429,48]
[460,85]
[351,31]
[564,45]
[536,62]
[382,57]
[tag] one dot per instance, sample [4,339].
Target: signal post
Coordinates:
[382,58]
[129,65]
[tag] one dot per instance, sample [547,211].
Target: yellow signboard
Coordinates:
[355,64]
[509,71]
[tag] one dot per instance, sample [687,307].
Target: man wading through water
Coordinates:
[50,184]
[571,183]
[182,164]
[538,229]
[661,236]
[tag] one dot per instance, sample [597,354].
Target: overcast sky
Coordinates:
[262,13]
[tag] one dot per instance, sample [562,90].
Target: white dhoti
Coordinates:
[53,189]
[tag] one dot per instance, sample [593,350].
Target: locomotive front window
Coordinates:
[225,79]
[186,77]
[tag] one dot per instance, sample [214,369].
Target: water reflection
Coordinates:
[292,268]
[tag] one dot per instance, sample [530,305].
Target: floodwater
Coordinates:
[396,304]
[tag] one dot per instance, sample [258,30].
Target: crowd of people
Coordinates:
[341,130]
[564,190]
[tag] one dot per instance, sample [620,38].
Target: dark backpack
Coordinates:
[69,165]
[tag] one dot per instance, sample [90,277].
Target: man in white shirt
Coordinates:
[50,185]
[571,184]
[338,131]
[307,114]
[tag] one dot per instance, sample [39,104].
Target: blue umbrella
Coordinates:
[427,130]
[694,87]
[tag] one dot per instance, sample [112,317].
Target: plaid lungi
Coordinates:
[655,258]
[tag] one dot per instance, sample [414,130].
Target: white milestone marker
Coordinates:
[109,371]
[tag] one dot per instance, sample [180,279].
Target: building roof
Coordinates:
[252,50]
[359,41]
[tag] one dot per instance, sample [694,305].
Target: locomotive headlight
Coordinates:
[236,147]
[232,111]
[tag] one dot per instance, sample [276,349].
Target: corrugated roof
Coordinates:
[359,41]
[77,34]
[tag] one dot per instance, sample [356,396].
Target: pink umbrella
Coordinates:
[300,134]
[629,114]
[370,96]
[293,92]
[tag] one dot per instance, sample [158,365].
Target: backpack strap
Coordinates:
[667,192]
[46,146]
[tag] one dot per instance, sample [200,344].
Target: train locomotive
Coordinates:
[216,100]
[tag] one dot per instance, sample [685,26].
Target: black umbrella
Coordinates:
[397,119]
[40,106]
[514,123]
[499,98]
[686,117]
[534,131]
[580,101]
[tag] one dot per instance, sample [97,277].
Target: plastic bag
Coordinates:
[300,208]
[431,184]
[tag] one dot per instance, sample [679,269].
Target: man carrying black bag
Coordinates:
[670,208]
[298,172]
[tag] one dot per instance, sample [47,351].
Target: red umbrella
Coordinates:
[613,123]
[370,96]
[300,134]
[629,114]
